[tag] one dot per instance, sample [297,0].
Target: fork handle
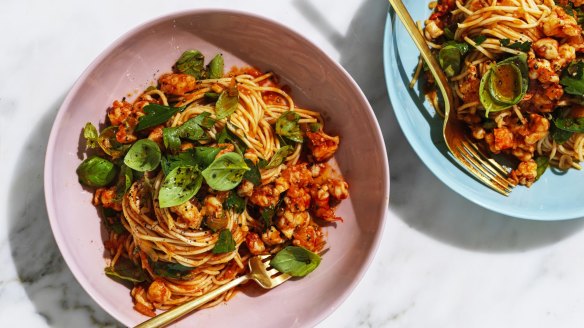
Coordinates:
[420,42]
[175,313]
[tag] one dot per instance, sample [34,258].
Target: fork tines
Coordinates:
[484,168]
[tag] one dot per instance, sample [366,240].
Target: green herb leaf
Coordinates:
[450,60]
[542,164]
[521,46]
[573,78]
[144,155]
[448,34]
[96,172]
[560,136]
[225,244]
[191,62]
[111,220]
[235,203]
[295,261]
[314,127]
[212,96]
[215,67]
[199,157]
[124,181]
[279,157]
[110,145]
[189,130]
[505,84]
[570,124]
[226,171]
[287,126]
[171,270]
[227,103]
[126,270]
[480,39]
[156,115]
[180,185]
[253,175]
[90,134]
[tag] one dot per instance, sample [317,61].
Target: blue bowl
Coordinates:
[557,195]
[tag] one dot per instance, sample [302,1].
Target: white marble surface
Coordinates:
[443,261]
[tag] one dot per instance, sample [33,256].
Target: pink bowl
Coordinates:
[130,65]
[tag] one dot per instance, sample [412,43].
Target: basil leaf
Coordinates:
[226,172]
[215,67]
[287,126]
[463,47]
[479,40]
[125,269]
[573,78]
[111,220]
[505,84]
[234,202]
[191,62]
[90,134]
[295,261]
[156,115]
[171,270]
[560,136]
[180,185]
[450,59]
[279,157]
[253,175]
[227,103]
[191,130]
[96,172]
[109,144]
[204,156]
[144,155]
[570,124]
[225,244]
[205,120]
[226,136]
[124,181]
[314,127]
[267,215]
[212,96]
[521,46]
[542,164]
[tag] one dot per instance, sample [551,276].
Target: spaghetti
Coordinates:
[241,171]
[516,68]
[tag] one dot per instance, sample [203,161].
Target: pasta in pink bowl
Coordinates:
[179,162]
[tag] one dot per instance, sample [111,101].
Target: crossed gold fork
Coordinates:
[468,154]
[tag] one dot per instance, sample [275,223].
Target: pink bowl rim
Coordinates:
[50,152]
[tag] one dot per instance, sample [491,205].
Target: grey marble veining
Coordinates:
[443,261]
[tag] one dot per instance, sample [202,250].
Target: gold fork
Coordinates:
[259,271]
[484,168]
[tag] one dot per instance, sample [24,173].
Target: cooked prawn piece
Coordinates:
[289,221]
[158,292]
[541,69]
[560,24]
[309,237]
[189,214]
[107,198]
[255,244]
[272,237]
[469,85]
[525,173]
[177,84]
[119,112]
[546,48]
[322,146]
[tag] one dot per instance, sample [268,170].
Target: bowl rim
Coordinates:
[57,123]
